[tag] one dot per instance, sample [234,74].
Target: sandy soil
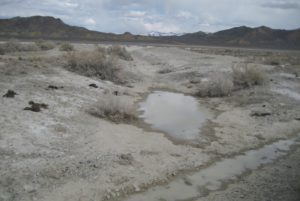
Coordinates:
[64,153]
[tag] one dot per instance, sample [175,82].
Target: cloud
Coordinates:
[184,14]
[68,4]
[90,21]
[282,5]
[136,14]
[8,2]
[161,27]
[142,16]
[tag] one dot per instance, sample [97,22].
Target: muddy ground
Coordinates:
[64,153]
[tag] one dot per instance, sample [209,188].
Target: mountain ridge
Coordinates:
[47,27]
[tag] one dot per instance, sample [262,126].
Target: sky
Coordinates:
[145,16]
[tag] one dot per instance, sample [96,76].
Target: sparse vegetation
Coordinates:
[218,85]
[66,47]
[120,52]
[114,108]
[45,45]
[101,49]
[14,46]
[246,75]
[93,63]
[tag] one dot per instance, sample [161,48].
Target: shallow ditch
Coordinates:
[214,177]
[181,117]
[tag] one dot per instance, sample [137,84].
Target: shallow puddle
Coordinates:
[214,177]
[175,114]
[288,92]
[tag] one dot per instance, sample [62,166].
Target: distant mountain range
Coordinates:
[39,27]
[54,28]
[263,37]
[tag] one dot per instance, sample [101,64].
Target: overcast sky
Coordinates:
[144,16]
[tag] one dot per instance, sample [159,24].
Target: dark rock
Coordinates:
[93,85]
[10,94]
[260,113]
[116,93]
[126,159]
[54,87]
[195,81]
[33,108]
[274,63]
[36,107]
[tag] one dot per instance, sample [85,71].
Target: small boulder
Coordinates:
[54,87]
[36,107]
[126,159]
[10,94]
[260,113]
[93,85]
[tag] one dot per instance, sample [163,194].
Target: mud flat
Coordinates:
[56,150]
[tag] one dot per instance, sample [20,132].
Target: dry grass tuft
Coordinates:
[66,47]
[218,85]
[101,49]
[45,45]
[246,75]
[114,108]
[93,63]
[14,46]
[120,52]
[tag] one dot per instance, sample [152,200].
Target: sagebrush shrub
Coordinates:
[114,108]
[14,46]
[217,85]
[93,63]
[45,45]
[246,75]
[66,47]
[120,52]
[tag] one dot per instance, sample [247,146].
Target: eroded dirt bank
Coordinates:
[64,153]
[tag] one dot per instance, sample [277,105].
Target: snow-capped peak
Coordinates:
[156,33]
